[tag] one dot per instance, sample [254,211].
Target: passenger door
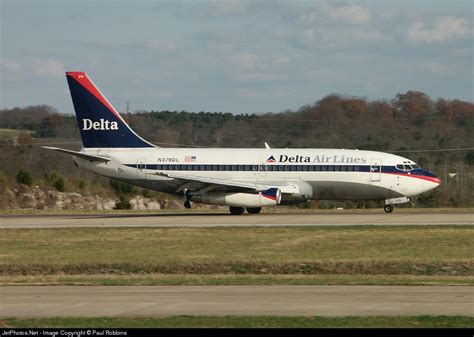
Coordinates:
[141,168]
[375,170]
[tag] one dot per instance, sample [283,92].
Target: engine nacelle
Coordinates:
[270,197]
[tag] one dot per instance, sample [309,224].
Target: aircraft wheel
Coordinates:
[254,210]
[236,210]
[388,208]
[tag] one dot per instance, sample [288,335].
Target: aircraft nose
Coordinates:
[430,181]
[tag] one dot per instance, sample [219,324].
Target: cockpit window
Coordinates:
[406,167]
[415,167]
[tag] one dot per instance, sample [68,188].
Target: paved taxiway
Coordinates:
[220,219]
[99,301]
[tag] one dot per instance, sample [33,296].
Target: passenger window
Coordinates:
[165,167]
[356,168]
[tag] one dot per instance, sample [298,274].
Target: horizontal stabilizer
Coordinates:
[79,154]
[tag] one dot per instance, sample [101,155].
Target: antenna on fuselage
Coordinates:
[267,146]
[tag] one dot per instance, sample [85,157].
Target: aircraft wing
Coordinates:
[202,184]
[79,154]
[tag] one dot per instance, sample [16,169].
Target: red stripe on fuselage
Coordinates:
[85,81]
[432,179]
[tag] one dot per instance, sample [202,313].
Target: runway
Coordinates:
[100,301]
[220,219]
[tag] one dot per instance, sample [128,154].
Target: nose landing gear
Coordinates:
[388,208]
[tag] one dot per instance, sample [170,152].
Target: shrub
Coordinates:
[81,184]
[24,177]
[123,203]
[59,184]
[55,180]
[121,188]
[469,158]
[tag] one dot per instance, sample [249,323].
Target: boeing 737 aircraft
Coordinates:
[239,178]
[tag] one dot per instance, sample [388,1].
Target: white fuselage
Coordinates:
[327,174]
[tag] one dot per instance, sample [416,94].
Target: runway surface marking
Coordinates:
[100,301]
[219,219]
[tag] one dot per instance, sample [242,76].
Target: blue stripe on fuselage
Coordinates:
[280,168]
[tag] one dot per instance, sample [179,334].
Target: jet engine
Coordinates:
[270,197]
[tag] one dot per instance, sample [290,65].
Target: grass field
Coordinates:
[245,322]
[231,255]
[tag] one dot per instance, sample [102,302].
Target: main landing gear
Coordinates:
[236,210]
[254,210]
[388,208]
[240,210]
[187,199]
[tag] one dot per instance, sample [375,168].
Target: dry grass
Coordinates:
[368,250]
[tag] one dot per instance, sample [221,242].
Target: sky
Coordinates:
[234,56]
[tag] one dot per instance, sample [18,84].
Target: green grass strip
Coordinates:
[223,279]
[246,322]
